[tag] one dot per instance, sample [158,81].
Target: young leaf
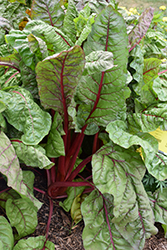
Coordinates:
[106,92]
[22,216]
[98,61]
[62,72]
[34,243]
[69,25]
[9,166]
[6,235]
[54,38]
[25,115]
[141,28]
[33,156]
[10,194]
[55,144]
[48,11]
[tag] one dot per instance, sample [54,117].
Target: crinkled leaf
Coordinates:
[158,202]
[9,166]
[158,167]
[62,72]
[54,38]
[86,30]
[96,6]
[5,24]
[106,92]
[38,47]
[141,28]
[32,155]
[2,106]
[98,61]
[28,77]
[119,134]
[48,11]
[10,78]
[25,115]
[101,233]
[34,243]
[149,118]
[69,25]
[22,216]
[55,143]
[160,88]
[6,235]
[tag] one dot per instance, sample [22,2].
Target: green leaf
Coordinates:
[120,135]
[25,115]
[54,38]
[10,194]
[69,25]
[48,11]
[160,88]
[5,24]
[62,72]
[9,166]
[10,78]
[34,243]
[12,61]
[32,155]
[106,92]
[55,143]
[98,61]
[20,1]
[22,216]
[101,233]
[2,106]
[37,47]
[158,202]
[149,118]
[6,235]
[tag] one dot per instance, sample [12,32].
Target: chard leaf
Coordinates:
[11,194]
[6,235]
[32,155]
[55,143]
[119,134]
[9,166]
[158,202]
[54,38]
[48,11]
[33,243]
[158,167]
[25,115]
[11,61]
[22,216]
[96,6]
[141,28]
[20,1]
[5,24]
[98,61]
[106,92]
[160,88]
[37,47]
[10,78]
[150,118]
[69,25]
[100,233]
[62,72]
[137,64]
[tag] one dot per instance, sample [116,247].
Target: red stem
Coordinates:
[50,216]
[39,190]
[162,72]
[95,146]
[48,177]
[79,168]
[53,171]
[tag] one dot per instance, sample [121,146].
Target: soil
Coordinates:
[67,236]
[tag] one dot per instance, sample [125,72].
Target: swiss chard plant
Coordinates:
[81,87]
